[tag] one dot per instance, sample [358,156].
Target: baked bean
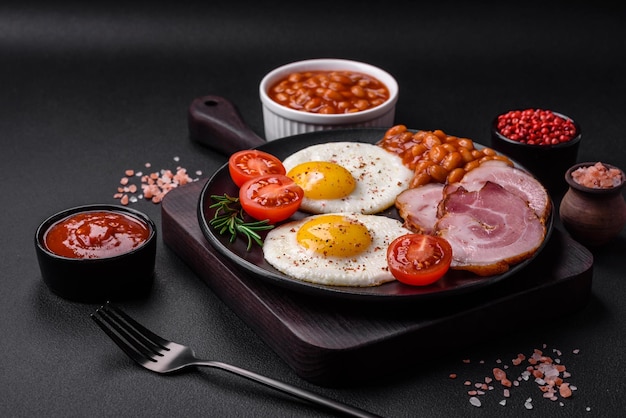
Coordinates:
[422,166]
[449,146]
[440,134]
[471,165]
[438,173]
[358,91]
[347,94]
[333,85]
[418,149]
[466,154]
[503,158]
[313,104]
[343,106]
[341,79]
[399,130]
[335,89]
[430,140]
[452,160]
[420,179]
[466,143]
[437,153]
[282,97]
[455,175]
[435,156]
[362,104]
[294,78]
[332,96]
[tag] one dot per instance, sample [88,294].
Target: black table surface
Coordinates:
[91,89]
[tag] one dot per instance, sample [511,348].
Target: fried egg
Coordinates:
[339,249]
[347,177]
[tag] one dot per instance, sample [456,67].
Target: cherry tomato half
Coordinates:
[274,197]
[246,164]
[418,259]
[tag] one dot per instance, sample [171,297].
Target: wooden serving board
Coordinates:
[332,342]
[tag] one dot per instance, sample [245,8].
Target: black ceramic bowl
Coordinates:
[546,162]
[125,275]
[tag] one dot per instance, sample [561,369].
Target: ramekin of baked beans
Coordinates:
[319,94]
[543,141]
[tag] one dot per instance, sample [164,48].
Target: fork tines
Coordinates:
[138,343]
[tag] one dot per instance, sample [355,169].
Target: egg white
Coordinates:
[282,250]
[380,176]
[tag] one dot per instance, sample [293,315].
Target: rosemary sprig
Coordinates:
[229,217]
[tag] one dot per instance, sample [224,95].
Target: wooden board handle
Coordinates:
[216,123]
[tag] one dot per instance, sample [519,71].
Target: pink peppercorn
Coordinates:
[536,127]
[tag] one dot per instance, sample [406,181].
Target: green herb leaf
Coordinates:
[229,218]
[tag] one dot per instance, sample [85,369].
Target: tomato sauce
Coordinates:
[96,234]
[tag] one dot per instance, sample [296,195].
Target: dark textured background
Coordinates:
[89,89]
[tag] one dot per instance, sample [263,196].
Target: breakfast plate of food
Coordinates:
[496,217]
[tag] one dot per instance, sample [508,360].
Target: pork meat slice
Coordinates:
[418,207]
[489,229]
[514,180]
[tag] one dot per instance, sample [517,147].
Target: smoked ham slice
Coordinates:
[514,180]
[489,229]
[418,207]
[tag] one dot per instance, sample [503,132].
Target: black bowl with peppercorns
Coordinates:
[543,141]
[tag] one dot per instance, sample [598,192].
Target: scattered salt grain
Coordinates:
[529,403]
[549,374]
[475,401]
[153,186]
[503,402]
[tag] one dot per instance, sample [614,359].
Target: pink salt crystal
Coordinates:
[597,176]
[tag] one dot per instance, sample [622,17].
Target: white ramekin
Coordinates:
[281,121]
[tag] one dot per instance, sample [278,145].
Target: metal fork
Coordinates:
[163,356]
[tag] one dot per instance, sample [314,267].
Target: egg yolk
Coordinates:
[334,235]
[323,180]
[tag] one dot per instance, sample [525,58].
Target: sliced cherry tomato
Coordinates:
[274,197]
[419,260]
[247,164]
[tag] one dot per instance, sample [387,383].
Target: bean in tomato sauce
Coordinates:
[435,156]
[329,92]
[96,234]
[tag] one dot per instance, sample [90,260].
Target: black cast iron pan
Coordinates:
[216,123]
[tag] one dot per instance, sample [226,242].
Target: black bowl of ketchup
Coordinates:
[96,253]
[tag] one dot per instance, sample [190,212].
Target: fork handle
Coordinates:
[291,390]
